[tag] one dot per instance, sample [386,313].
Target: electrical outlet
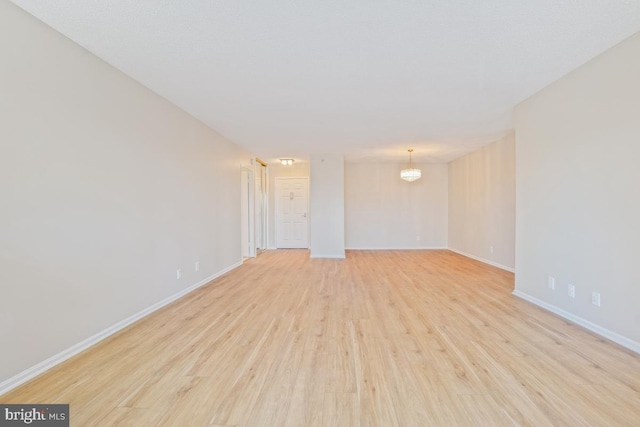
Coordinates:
[417,238]
[551,282]
[178,274]
[196,266]
[491,249]
[571,290]
[595,298]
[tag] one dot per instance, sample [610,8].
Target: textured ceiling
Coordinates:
[367,78]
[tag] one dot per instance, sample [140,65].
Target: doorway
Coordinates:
[261,199]
[292,208]
[247,211]
[253,208]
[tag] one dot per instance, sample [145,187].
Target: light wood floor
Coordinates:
[407,338]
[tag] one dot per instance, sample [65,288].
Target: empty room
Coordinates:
[356,213]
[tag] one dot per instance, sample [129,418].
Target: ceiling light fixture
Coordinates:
[410,174]
[286,162]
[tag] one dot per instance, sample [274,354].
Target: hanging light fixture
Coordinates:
[286,162]
[410,174]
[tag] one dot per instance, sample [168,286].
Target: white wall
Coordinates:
[326,206]
[482,204]
[105,190]
[277,170]
[578,210]
[385,212]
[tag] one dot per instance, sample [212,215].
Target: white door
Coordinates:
[292,204]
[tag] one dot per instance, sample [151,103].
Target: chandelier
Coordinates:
[410,174]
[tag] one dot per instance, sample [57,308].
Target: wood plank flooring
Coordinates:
[381,338]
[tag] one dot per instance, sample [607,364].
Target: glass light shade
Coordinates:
[410,174]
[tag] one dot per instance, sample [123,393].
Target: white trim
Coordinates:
[332,256]
[49,363]
[486,261]
[610,335]
[422,248]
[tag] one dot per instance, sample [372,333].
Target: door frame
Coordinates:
[277,207]
[261,168]
[249,214]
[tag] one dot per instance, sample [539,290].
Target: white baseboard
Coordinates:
[423,248]
[486,261]
[617,338]
[49,363]
[332,256]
